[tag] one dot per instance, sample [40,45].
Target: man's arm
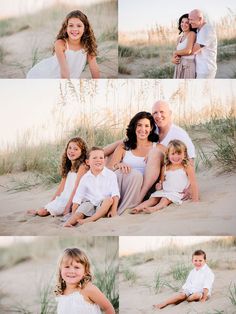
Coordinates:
[197,48]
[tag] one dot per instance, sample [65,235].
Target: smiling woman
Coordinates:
[129,158]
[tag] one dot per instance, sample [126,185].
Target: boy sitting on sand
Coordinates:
[97,194]
[198,285]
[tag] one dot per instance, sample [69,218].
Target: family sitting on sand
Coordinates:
[154,149]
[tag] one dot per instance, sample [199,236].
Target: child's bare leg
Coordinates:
[101,212]
[41,212]
[194,297]
[113,210]
[163,203]
[73,220]
[74,208]
[150,202]
[172,300]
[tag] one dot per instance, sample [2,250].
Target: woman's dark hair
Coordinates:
[131,140]
[185,16]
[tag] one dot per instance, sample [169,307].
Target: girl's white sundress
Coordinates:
[75,303]
[174,184]
[49,68]
[57,206]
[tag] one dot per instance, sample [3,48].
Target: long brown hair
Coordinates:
[70,255]
[88,39]
[66,164]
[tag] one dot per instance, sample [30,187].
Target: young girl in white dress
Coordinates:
[73,167]
[74,290]
[74,46]
[176,175]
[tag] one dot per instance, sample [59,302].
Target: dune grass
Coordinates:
[158,282]
[160,43]
[223,134]
[129,275]
[41,28]
[232,293]
[106,280]
[166,71]
[43,249]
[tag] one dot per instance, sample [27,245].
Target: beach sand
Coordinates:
[214,214]
[131,303]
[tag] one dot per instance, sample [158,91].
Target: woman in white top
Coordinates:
[129,158]
[185,67]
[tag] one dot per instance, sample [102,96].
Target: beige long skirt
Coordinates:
[130,186]
[185,69]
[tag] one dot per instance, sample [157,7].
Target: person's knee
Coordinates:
[136,175]
[194,297]
[182,296]
[108,201]
[42,212]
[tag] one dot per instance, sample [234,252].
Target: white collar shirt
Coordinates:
[96,188]
[199,279]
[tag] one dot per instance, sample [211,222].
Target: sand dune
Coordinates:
[213,215]
[132,303]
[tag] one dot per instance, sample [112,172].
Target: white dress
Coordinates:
[49,68]
[75,303]
[174,184]
[57,206]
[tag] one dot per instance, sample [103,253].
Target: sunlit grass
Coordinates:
[232,293]
[45,249]
[162,41]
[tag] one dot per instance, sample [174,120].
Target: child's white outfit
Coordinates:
[94,189]
[49,68]
[57,206]
[75,303]
[174,183]
[197,280]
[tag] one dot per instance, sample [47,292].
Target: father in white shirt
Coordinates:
[205,47]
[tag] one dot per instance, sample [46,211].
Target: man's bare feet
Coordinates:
[32,212]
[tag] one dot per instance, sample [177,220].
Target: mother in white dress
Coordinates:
[183,56]
[129,158]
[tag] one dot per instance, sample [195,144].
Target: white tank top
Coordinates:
[135,162]
[183,45]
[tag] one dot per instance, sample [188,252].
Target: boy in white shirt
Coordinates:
[97,194]
[198,285]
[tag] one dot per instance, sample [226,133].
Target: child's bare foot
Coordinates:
[159,305]
[149,210]
[135,211]
[32,212]
[85,220]
[67,225]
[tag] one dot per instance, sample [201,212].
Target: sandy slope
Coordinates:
[132,303]
[213,215]
[18,49]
